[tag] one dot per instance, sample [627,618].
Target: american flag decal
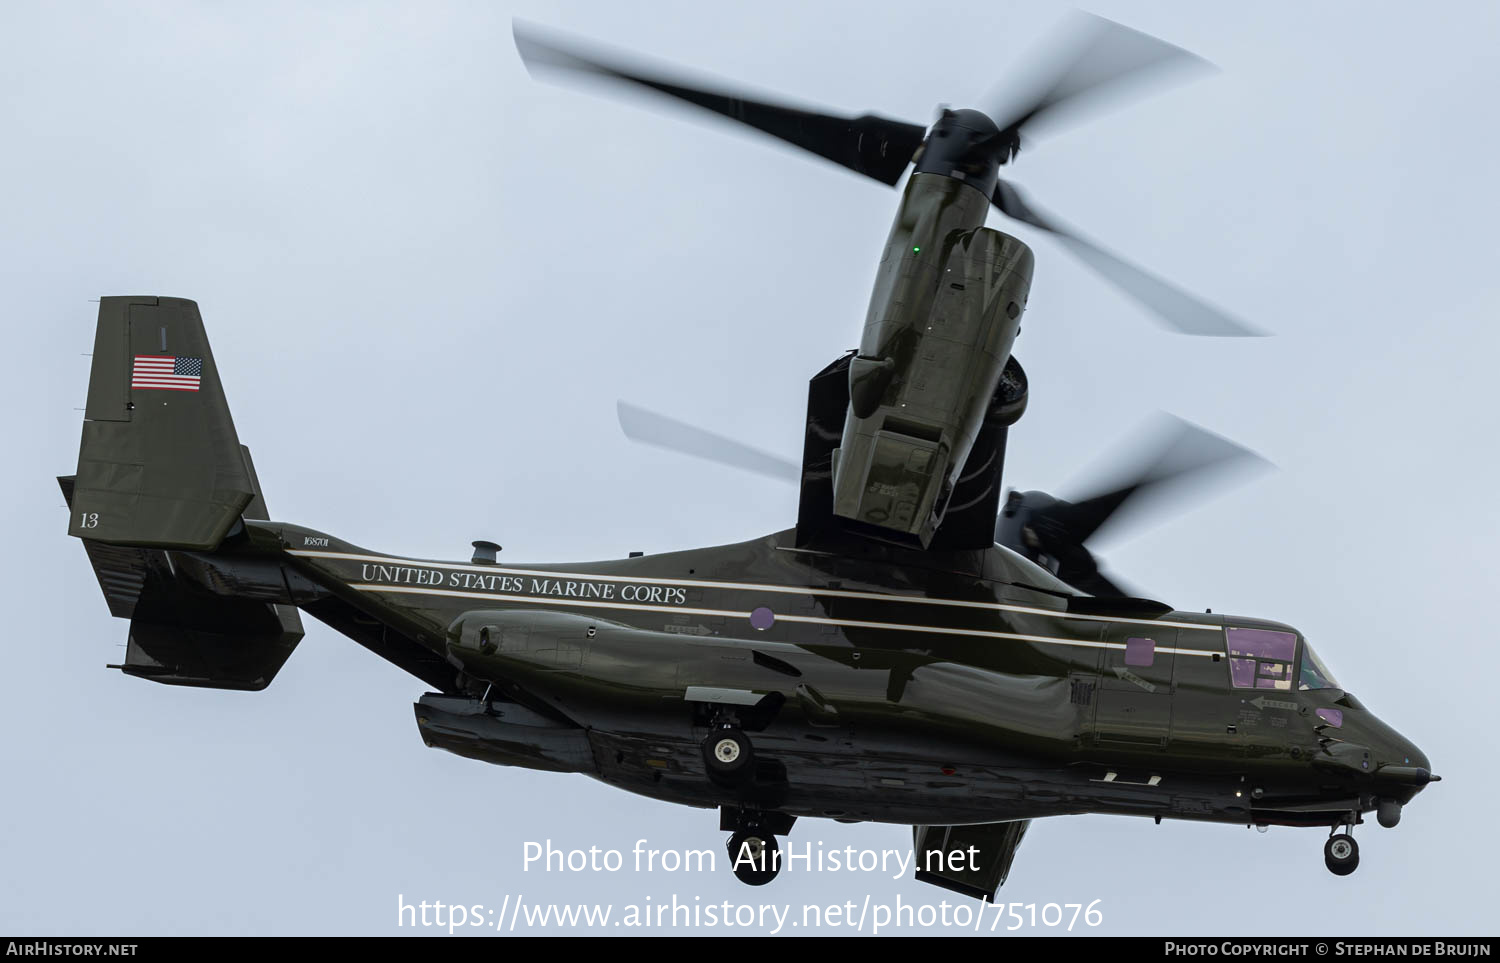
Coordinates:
[166,372]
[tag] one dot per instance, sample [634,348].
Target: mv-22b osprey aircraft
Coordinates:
[918,649]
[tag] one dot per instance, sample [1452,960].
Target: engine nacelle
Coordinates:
[945,312]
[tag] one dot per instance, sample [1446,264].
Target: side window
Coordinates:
[1260,658]
[1140,651]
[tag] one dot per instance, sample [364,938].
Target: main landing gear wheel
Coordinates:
[1341,854]
[727,753]
[754,856]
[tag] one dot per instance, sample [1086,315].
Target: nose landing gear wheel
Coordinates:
[1341,854]
[754,857]
[727,752]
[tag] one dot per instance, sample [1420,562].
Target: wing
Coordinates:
[969,519]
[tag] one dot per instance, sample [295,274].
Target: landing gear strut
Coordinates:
[1341,853]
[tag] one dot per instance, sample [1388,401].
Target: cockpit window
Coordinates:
[1315,674]
[1260,658]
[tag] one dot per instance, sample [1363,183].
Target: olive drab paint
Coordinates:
[872,681]
[883,661]
[942,319]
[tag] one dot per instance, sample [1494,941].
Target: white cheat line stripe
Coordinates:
[552,602]
[750,587]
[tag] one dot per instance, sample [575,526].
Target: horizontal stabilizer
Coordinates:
[182,631]
[219,644]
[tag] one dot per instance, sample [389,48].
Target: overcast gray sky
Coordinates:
[427,278]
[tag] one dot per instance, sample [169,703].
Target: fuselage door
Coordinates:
[1134,704]
[1205,710]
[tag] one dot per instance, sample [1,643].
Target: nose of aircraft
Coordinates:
[1412,756]
[1402,770]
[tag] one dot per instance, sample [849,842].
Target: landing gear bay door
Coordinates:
[972,860]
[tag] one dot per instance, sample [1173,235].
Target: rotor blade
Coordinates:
[663,432]
[1091,58]
[1180,310]
[1036,526]
[1182,451]
[868,144]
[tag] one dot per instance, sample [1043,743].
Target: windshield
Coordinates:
[1315,674]
[1260,658]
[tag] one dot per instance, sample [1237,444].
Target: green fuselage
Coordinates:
[879,684]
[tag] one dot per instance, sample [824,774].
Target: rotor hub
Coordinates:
[966,145]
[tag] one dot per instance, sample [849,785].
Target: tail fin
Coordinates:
[160,465]
[160,472]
